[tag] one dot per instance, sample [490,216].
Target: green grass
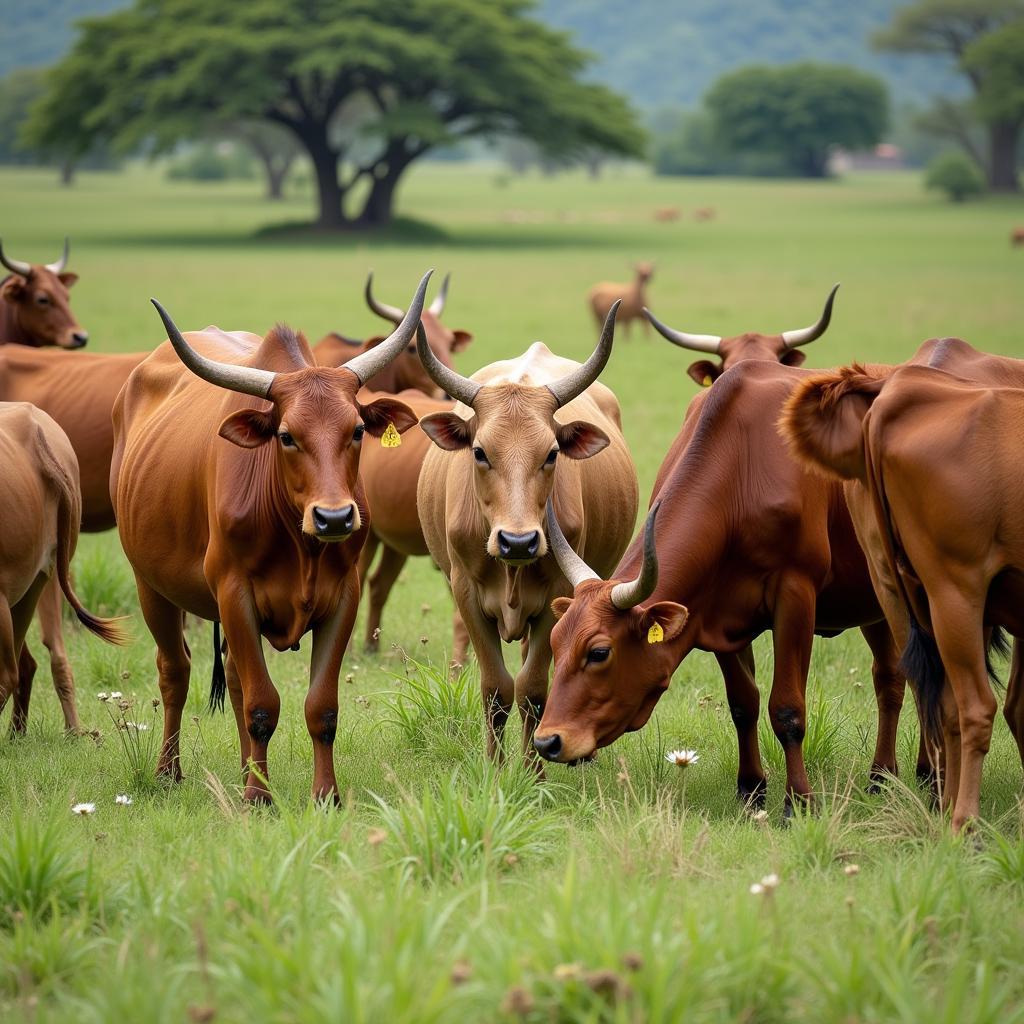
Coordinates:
[443,890]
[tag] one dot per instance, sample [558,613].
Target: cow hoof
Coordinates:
[169,772]
[752,796]
[878,778]
[371,646]
[257,796]
[327,797]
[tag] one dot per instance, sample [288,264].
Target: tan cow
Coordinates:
[631,298]
[524,430]
[40,508]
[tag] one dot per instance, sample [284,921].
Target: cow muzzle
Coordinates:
[518,548]
[553,747]
[333,524]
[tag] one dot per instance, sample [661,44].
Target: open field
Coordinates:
[444,891]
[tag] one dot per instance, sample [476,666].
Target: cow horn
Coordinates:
[449,381]
[15,266]
[710,343]
[58,267]
[392,313]
[572,385]
[249,380]
[437,306]
[629,595]
[373,361]
[808,334]
[574,569]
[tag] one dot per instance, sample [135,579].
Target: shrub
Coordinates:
[955,175]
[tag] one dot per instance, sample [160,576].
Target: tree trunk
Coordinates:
[277,171]
[379,206]
[1002,166]
[67,173]
[329,191]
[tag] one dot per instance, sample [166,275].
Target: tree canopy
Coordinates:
[365,86]
[798,112]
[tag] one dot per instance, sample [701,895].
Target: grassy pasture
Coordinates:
[443,891]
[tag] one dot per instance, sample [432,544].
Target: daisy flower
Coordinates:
[682,758]
[84,810]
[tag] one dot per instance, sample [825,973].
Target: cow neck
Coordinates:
[11,331]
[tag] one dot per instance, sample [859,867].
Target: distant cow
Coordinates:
[406,372]
[1017,237]
[631,298]
[524,430]
[40,508]
[667,214]
[244,528]
[34,305]
[704,213]
[776,347]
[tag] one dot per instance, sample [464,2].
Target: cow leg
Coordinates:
[745,706]
[1013,708]
[792,636]
[173,666]
[20,618]
[889,690]
[531,687]
[8,654]
[460,642]
[52,629]
[26,674]
[381,582]
[234,685]
[371,644]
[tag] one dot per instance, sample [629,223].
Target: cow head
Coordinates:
[644,272]
[37,304]
[775,347]
[515,442]
[613,654]
[315,421]
[443,341]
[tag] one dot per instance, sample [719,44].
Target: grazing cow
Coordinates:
[921,507]
[244,529]
[406,372]
[780,348]
[667,214]
[631,298]
[704,213]
[747,541]
[77,389]
[523,432]
[40,507]
[1017,237]
[34,305]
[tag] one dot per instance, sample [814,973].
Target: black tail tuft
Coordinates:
[219,682]
[999,643]
[922,665]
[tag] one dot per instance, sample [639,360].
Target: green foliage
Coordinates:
[18,91]
[209,162]
[689,144]
[945,26]
[996,60]
[798,112]
[956,176]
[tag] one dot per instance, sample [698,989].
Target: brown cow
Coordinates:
[34,305]
[406,372]
[243,530]
[525,430]
[780,348]
[747,541]
[1017,237]
[77,389]
[40,507]
[667,214]
[631,298]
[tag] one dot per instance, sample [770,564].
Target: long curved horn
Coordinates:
[808,334]
[574,384]
[449,381]
[392,313]
[629,595]
[711,343]
[373,361]
[15,266]
[574,569]
[249,380]
[58,267]
[437,306]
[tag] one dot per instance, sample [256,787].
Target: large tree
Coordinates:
[958,29]
[798,112]
[366,86]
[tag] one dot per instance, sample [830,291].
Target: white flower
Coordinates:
[124,799]
[682,758]
[84,809]
[102,695]
[766,886]
[137,726]
[116,695]
[851,869]
[757,889]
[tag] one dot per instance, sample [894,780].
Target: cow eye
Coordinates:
[286,439]
[42,300]
[552,456]
[357,434]
[598,655]
[481,458]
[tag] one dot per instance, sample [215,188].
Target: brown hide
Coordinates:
[632,295]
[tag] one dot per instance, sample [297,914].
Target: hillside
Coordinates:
[658,52]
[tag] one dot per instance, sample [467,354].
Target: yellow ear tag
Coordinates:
[655,634]
[706,382]
[391,438]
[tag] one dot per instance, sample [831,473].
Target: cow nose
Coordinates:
[549,747]
[79,338]
[334,522]
[518,545]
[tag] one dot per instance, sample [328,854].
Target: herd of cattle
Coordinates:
[799,502]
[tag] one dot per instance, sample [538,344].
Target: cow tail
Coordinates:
[998,643]
[218,681]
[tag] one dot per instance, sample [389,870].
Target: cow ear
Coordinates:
[560,606]
[67,278]
[447,430]
[14,289]
[461,340]
[248,429]
[671,617]
[580,440]
[385,412]
[794,357]
[704,372]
